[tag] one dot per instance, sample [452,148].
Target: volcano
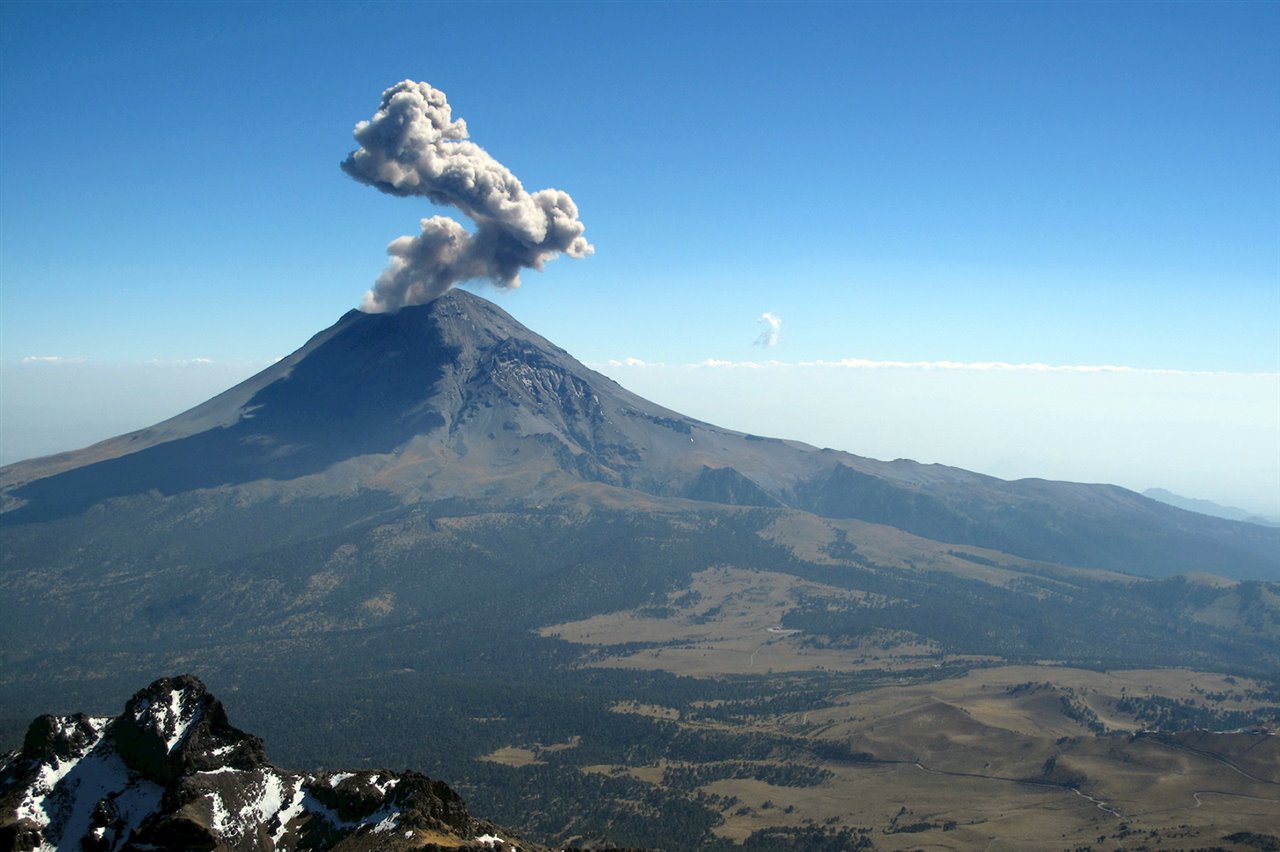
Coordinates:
[457,400]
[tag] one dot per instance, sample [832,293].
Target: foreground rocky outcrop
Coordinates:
[171,772]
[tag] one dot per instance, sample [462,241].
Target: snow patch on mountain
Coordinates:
[65,793]
[171,719]
[290,812]
[103,784]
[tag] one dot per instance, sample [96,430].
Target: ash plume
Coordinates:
[413,146]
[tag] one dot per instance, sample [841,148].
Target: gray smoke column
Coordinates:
[414,147]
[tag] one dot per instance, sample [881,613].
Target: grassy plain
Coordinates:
[728,623]
[995,760]
[1017,757]
[528,756]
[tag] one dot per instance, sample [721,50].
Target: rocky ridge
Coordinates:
[171,772]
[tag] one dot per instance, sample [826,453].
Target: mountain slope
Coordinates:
[457,400]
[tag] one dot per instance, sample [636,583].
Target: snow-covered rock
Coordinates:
[170,772]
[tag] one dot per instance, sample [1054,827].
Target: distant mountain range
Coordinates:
[1208,507]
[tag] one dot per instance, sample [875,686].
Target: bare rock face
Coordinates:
[175,727]
[171,772]
[56,738]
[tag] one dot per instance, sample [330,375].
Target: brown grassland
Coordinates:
[1000,757]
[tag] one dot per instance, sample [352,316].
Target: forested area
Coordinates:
[411,644]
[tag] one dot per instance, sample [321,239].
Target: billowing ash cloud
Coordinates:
[769,337]
[414,147]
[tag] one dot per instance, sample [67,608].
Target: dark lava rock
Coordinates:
[175,727]
[52,738]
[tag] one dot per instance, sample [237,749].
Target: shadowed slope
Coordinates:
[360,391]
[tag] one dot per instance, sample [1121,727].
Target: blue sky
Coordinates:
[1064,184]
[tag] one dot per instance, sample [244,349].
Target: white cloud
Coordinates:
[51,359]
[972,366]
[720,364]
[850,364]
[769,337]
[177,362]
[146,362]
